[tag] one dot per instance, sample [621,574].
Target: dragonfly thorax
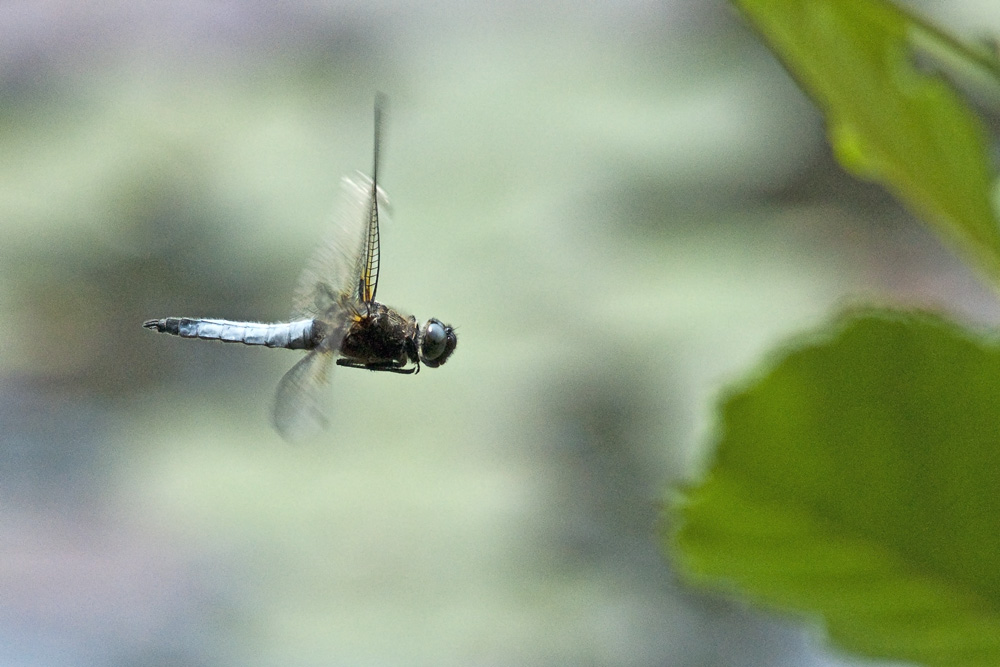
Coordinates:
[380,338]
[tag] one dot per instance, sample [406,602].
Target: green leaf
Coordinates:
[887,120]
[858,481]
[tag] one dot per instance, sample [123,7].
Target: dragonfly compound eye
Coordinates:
[437,343]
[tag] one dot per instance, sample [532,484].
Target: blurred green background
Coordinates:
[621,206]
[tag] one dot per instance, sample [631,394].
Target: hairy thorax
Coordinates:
[381,335]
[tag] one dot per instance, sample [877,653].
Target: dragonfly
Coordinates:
[335,316]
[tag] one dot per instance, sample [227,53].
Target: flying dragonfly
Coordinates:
[335,315]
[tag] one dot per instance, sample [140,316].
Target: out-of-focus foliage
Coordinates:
[856,479]
[887,120]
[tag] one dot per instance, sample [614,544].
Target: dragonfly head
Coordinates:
[437,341]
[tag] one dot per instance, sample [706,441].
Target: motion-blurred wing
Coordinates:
[348,263]
[298,405]
[338,265]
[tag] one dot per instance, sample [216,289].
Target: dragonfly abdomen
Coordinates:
[298,335]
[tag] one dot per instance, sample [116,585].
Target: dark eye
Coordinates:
[437,342]
[435,338]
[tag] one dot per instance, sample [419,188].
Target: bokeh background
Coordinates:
[621,206]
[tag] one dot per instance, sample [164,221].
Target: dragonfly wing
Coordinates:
[298,406]
[366,265]
[348,263]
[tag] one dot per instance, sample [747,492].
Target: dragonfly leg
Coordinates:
[389,366]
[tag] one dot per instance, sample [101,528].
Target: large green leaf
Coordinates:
[858,480]
[887,120]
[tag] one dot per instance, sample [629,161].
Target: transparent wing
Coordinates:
[348,263]
[341,265]
[366,270]
[298,406]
